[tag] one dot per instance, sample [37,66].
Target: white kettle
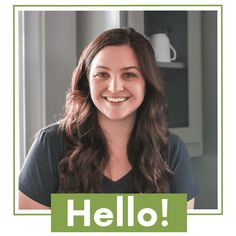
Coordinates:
[163,48]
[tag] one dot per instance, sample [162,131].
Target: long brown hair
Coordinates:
[81,169]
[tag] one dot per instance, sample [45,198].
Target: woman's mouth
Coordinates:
[116,99]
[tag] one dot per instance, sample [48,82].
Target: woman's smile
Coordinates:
[116,99]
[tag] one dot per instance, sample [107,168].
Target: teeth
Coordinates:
[116,99]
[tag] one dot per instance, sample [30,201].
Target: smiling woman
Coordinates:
[113,137]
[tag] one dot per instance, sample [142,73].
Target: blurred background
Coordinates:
[50,44]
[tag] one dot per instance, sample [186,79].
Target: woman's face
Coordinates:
[116,83]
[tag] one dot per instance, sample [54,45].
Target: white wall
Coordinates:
[47,58]
[60,54]
[92,23]
[32,76]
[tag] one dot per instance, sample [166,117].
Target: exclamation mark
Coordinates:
[164,223]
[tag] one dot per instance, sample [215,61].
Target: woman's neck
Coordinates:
[117,133]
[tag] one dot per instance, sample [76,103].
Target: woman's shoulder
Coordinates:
[174,141]
[177,150]
[51,129]
[51,134]
[49,143]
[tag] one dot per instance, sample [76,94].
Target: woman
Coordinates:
[114,136]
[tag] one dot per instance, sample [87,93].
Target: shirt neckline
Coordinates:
[124,177]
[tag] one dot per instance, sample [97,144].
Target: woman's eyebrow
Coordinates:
[131,67]
[102,67]
[123,69]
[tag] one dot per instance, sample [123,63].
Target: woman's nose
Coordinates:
[115,85]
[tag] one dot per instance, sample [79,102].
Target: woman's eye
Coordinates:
[129,75]
[101,75]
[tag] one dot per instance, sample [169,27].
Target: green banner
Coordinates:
[118,213]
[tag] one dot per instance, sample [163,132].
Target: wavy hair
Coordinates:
[82,167]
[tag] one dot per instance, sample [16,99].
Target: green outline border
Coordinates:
[132,5]
[14,115]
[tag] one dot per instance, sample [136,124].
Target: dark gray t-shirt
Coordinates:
[39,178]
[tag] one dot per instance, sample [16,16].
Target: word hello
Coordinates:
[104,217]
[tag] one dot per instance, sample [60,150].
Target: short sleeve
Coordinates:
[38,176]
[182,180]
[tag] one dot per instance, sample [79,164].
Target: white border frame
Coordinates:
[217,8]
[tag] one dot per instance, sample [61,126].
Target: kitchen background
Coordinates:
[51,42]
